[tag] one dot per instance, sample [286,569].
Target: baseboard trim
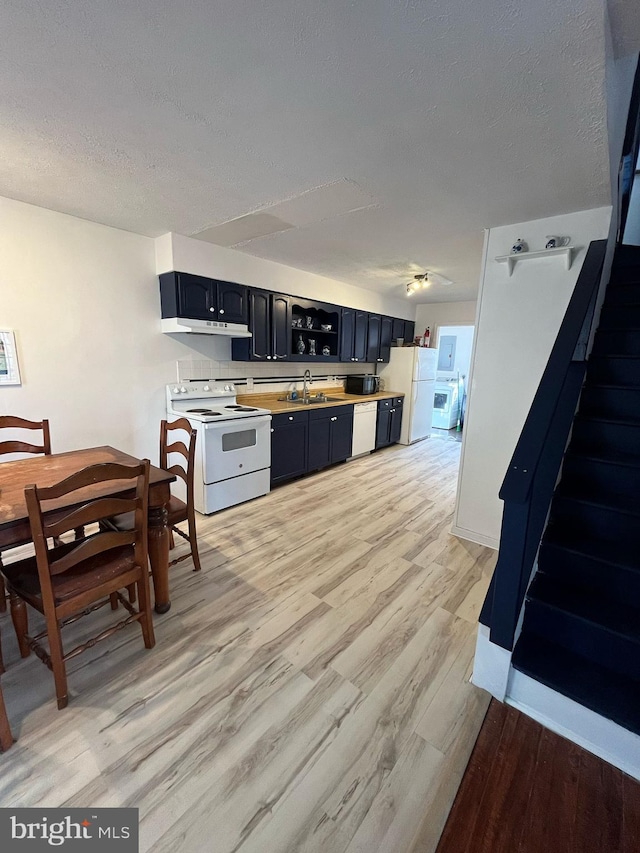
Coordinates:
[478,538]
[604,738]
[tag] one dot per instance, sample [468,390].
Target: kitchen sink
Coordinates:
[311,401]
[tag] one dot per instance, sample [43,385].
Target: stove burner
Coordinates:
[245,409]
[233,407]
[203,412]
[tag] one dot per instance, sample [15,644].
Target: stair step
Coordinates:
[616,342]
[582,602]
[567,562]
[600,480]
[619,371]
[607,693]
[616,439]
[579,542]
[620,316]
[572,622]
[609,401]
[623,294]
[596,521]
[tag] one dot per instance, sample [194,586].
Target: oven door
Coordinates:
[236,447]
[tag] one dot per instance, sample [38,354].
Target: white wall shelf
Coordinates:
[565,252]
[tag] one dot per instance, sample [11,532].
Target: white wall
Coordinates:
[82,299]
[517,323]
[436,314]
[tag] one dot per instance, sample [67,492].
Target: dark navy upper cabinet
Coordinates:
[398,330]
[196,297]
[232,302]
[347,333]
[269,323]
[360,336]
[373,338]
[386,330]
[409,331]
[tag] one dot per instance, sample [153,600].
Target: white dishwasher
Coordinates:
[364,428]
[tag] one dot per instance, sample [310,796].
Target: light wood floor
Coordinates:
[308,690]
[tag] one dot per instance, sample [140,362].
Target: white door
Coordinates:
[421,410]
[425,364]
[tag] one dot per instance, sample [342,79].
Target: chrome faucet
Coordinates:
[306,379]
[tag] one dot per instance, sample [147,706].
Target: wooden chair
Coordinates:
[178,510]
[6,738]
[64,582]
[17,446]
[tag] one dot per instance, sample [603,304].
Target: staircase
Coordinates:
[581,629]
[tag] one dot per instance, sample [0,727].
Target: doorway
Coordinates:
[454,345]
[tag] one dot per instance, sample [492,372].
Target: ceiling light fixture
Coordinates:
[422,280]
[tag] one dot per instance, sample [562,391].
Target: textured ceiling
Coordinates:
[439,119]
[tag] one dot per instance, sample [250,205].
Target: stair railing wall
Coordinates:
[528,486]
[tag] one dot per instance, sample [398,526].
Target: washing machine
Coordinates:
[446,405]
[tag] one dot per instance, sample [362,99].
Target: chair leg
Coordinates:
[114,600]
[3,593]
[193,541]
[146,622]
[20,622]
[58,664]
[6,738]
[172,541]
[131,589]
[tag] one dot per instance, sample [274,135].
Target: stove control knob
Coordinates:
[183,390]
[206,388]
[228,388]
[175,390]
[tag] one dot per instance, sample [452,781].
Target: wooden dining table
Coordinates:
[47,470]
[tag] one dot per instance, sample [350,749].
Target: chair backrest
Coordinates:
[87,510]
[14,446]
[188,452]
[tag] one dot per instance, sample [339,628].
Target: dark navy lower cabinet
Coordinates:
[389,421]
[330,436]
[289,445]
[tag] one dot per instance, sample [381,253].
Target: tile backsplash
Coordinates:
[265,377]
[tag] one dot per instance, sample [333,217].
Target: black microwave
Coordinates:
[362,383]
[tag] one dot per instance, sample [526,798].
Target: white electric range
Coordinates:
[233,446]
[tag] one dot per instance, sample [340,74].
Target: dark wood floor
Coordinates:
[527,790]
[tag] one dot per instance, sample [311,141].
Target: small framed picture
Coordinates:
[9,369]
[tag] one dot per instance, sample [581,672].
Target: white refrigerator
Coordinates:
[412,371]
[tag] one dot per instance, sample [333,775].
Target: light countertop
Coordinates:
[271,401]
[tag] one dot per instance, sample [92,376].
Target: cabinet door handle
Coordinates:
[269,357]
[213,310]
[274,358]
[272,430]
[393,410]
[334,419]
[290,417]
[221,311]
[355,359]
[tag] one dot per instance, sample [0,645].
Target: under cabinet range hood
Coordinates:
[171,325]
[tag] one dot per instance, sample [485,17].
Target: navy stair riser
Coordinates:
[624,294]
[618,583]
[619,653]
[610,370]
[620,316]
[618,342]
[616,440]
[614,485]
[607,693]
[593,521]
[618,403]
